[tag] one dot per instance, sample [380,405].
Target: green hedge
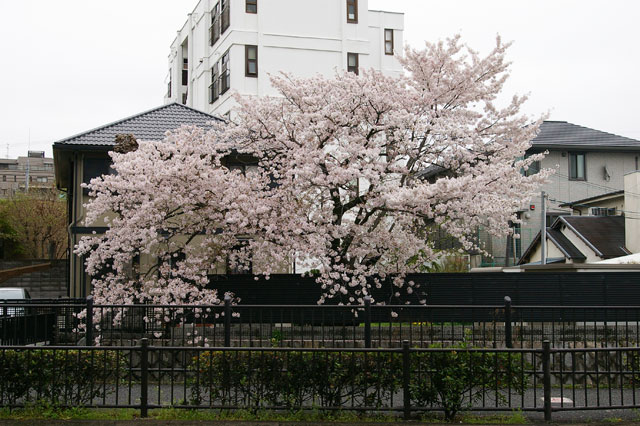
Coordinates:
[58,377]
[457,378]
[450,380]
[293,379]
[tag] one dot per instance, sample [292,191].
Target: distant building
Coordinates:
[589,164]
[236,44]
[601,227]
[590,167]
[32,171]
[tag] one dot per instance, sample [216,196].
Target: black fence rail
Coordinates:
[406,380]
[39,320]
[316,326]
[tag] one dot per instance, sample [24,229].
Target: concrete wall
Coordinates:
[49,283]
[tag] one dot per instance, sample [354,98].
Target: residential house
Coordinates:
[589,164]
[234,45]
[82,157]
[602,227]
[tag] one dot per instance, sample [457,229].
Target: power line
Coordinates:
[584,182]
[593,206]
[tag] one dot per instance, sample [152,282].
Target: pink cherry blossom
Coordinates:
[346,155]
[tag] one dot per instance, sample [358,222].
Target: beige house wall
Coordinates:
[632,211]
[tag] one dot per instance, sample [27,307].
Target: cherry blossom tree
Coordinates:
[338,187]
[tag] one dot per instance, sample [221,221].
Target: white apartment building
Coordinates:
[228,45]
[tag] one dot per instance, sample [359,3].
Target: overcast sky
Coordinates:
[67,66]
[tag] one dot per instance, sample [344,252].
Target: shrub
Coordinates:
[458,377]
[58,376]
[292,379]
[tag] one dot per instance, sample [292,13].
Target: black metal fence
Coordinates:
[314,326]
[405,380]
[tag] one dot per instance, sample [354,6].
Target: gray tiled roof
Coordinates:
[559,134]
[581,203]
[149,125]
[566,246]
[603,233]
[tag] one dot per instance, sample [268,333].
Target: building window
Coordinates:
[388,42]
[577,166]
[214,88]
[169,86]
[251,61]
[185,71]
[225,73]
[214,29]
[603,211]
[224,11]
[534,168]
[4,178]
[41,179]
[252,6]
[353,62]
[352,11]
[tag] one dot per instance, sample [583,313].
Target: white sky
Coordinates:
[67,66]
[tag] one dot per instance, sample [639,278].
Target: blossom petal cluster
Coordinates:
[341,183]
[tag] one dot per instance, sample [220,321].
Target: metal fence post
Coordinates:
[227,321]
[546,367]
[406,377]
[89,321]
[367,322]
[144,377]
[508,332]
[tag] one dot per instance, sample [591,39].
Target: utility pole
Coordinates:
[543,231]
[26,175]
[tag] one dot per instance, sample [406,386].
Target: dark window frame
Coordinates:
[185,71]
[225,73]
[214,87]
[392,41]
[248,62]
[353,69]
[353,3]
[214,29]
[251,6]
[573,166]
[225,16]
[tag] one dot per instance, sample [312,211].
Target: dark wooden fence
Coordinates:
[542,288]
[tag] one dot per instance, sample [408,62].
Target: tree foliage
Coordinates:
[35,223]
[339,186]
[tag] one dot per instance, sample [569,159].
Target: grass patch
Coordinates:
[44,412]
[272,416]
[515,418]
